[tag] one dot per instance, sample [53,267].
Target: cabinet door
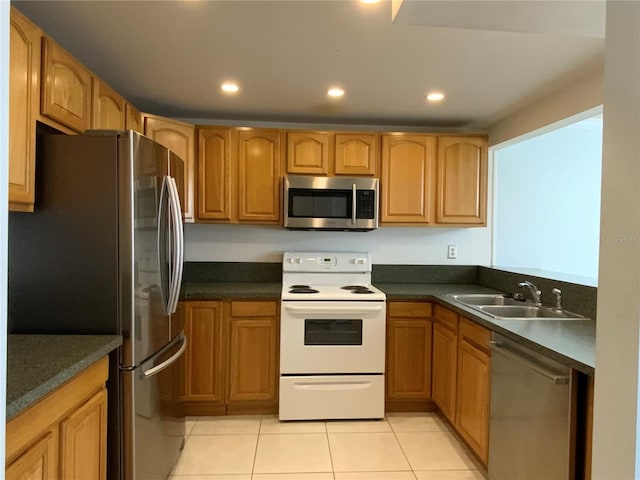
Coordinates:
[308,152]
[39,462]
[24,105]
[407,177]
[259,178]
[462,180]
[356,154]
[215,178]
[253,343]
[203,372]
[66,87]
[472,412]
[409,359]
[178,137]
[108,107]
[132,118]
[444,369]
[83,440]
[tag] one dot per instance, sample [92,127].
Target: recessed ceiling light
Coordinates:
[230,87]
[435,96]
[369,1]
[335,92]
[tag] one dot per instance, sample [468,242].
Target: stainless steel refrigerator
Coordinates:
[103,254]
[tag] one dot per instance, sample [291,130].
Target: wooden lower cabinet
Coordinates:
[408,372]
[64,435]
[445,360]
[231,362]
[473,386]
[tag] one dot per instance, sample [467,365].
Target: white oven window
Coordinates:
[332,332]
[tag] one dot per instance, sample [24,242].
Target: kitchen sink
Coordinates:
[499,306]
[526,312]
[486,299]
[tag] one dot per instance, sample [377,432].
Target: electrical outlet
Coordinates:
[452,251]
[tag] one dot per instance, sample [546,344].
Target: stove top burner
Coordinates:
[303,289]
[357,289]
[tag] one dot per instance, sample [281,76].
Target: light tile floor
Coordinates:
[403,446]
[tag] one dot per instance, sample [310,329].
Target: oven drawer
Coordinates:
[332,337]
[331,397]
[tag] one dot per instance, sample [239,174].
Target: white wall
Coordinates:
[547,207]
[4,181]
[615,441]
[233,243]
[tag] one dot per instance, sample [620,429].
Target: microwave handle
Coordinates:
[353,203]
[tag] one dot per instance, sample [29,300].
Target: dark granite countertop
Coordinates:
[571,342]
[221,290]
[38,364]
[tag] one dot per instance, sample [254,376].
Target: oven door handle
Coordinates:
[328,309]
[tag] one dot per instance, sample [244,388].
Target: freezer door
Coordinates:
[153,428]
[144,254]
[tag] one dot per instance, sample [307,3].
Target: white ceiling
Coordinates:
[489,57]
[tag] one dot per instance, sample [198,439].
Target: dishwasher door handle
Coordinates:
[539,369]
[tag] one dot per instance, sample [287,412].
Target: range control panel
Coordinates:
[324,261]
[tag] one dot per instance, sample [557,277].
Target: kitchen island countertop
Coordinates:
[38,364]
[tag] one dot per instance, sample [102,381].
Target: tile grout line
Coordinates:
[401,448]
[326,432]
[255,451]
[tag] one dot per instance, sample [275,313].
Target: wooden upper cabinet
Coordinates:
[24,106]
[308,152]
[259,176]
[462,180]
[66,87]
[179,137]
[133,118]
[215,178]
[108,107]
[356,153]
[408,163]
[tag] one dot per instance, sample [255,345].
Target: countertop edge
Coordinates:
[34,395]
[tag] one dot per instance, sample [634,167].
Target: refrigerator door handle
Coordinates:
[177,244]
[174,358]
[163,226]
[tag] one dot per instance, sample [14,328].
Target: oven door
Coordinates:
[332,337]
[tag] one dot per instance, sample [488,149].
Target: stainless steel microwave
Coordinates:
[330,203]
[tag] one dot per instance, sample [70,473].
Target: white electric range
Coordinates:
[332,338]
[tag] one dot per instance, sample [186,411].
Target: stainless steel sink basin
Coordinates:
[486,299]
[499,306]
[526,312]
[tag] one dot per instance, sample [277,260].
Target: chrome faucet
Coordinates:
[535,292]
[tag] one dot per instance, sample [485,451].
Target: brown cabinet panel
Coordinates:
[178,137]
[253,373]
[215,177]
[356,153]
[408,163]
[472,411]
[259,177]
[446,317]
[66,87]
[24,106]
[462,180]
[108,107]
[445,346]
[39,462]
[308,152]
[83,440]
[203,373]
[133,119]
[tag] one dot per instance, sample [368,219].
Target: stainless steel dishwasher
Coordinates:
[530,425]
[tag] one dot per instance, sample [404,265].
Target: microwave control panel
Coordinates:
[365,204]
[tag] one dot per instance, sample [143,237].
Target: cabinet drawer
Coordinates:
[475,333]
[253,309]
[446,317]
[409,309]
